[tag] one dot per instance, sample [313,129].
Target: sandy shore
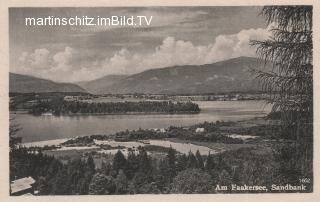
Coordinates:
[45,142]
[180,147]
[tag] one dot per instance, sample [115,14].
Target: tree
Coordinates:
[192,181]
[14,141]
[224,178]
[161,177]
[192,160]
[149,188]
[166,171]
[171,161]
[105,168]
[140,179]
[237,174]
[14,154]
[119,162]
[101,184]
[210,164]
[200,163]
[121,183]
[182,162]
[90,166]
[53,167]
[42,186]
[290,83]
[79,175]
[61,184]
[132,165]
[89,171]
[144,161]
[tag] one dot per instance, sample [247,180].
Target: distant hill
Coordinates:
[226,76]
[102,84]
[27,84]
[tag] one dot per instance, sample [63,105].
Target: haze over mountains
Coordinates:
[102,84]
[232,75]
[28,84]
[226,76]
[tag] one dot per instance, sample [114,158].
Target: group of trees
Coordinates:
[212,133]
[146,134]
[180,173]
[72,107]
[52,176]
[290,83]
[141,174]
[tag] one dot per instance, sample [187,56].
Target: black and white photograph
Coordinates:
[160,100]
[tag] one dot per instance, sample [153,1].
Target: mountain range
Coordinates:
[19,83]
[102,84]
[231,75]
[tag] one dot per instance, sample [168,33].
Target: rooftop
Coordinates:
[21,184]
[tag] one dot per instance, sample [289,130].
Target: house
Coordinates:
[162,130]
[199,130]
[69,98]
[22,186]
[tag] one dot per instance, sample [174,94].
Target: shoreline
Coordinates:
[43,143]
[102,114]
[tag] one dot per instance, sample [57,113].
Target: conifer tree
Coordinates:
[200,163]
[121,183]
[90,164]
[182,162]
[192,161]
[144,161]
[101,184]
[119,162]
[210,164]
[171,161]
[290,83]
[132,165]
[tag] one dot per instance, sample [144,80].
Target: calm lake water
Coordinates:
[38,128]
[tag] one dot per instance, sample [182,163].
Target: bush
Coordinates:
[102,184]
[192,181]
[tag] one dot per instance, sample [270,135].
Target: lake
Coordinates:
[39,128]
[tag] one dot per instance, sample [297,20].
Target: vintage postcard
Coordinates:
[162,100]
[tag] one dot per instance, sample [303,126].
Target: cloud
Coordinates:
[178,52]
[235,45]
[23,57]
[64,65]
[41,62]
[62,60]
[35,63]
[38,59]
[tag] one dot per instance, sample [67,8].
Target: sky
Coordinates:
[176,36]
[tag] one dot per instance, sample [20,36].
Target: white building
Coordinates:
[162,130]
[199,130]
